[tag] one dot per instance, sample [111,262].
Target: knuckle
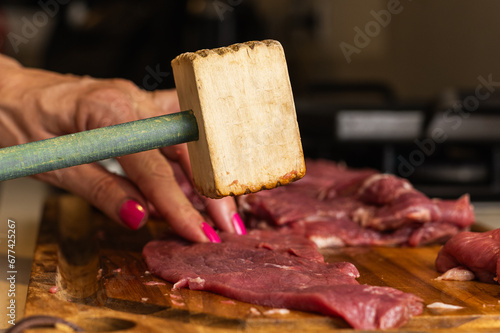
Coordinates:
[184,216]
[125,84]
[104,106]
[34,99]
[161,170]
[158,169]
[104,94]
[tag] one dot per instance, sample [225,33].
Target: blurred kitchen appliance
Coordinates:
[444,149]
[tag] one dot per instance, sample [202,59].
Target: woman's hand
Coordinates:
[36,105]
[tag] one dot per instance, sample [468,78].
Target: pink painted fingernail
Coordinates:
[132,213]
[238,224]
[210,233]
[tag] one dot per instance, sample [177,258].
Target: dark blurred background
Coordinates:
[407,87]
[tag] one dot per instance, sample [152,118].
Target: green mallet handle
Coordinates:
[98,144]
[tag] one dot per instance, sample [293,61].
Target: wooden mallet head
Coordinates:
[242,100]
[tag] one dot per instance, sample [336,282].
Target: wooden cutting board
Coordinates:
[103,284]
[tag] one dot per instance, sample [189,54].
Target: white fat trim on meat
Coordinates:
[174,296]
[176,303]
[457,274]
[407,186]
[187,282]
[370,180]
[180,284]
[326,242]
[444,306]
[154,283]
[254,312]
[362,216]
[421,215]
[230,302]
[288,268]
[320,216]
[276,311]
[375,291]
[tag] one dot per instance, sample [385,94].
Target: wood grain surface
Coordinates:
[121,295]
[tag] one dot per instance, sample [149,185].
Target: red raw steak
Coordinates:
[280,270]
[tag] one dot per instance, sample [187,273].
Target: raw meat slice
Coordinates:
[332,179]
[478,252]
[281,241]
[408,207]
[344,232]
[241,268]
[458,212]
[395,203]
[400,203]
[432,232]
[280,208]
[415,207]
[382,189]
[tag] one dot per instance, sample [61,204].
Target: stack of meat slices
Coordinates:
[336,206]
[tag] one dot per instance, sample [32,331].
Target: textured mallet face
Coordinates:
[248,134]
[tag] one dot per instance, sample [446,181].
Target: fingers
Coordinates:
[115,196]
[151,185]
[150,171]
[224,214]
[155,178]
